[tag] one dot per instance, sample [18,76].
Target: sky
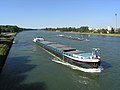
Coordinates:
[60,13]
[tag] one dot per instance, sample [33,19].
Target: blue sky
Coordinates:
[59,13]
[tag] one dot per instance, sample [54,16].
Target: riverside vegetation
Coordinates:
[6,38]
[7,33]
[5,44]
[85,30]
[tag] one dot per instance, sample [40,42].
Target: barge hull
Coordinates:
[86,65]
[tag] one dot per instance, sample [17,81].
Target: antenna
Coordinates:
[115,22]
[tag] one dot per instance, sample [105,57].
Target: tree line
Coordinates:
[9,28]
[83,29]
[69,29]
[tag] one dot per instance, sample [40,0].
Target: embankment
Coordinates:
[5,45]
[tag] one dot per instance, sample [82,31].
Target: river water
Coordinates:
[28,67]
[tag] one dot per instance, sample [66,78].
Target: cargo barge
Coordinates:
[71,55]
[70,37]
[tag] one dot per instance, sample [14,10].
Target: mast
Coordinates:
[115,22]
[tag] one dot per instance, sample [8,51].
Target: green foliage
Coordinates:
[102,30]
[83,29]
[61,29]
[118,31]
[9,28]
[112,31]
[69,29]
[0,30]
[4,45]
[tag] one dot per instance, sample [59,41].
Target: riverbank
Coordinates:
[99,34]
[5,45]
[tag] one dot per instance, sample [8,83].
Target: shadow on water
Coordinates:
[14,73]
[105,64]
[33,86]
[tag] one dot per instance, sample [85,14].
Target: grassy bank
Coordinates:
[5,45]
[96,34]
[9,34]
[109,35]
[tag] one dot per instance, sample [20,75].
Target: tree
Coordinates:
[0,30]
[83,29]
[104,30]
[118,31]
[9,28]
[112,31]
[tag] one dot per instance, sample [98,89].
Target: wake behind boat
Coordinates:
[72,56]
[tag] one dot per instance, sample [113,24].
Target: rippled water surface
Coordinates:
[28,67]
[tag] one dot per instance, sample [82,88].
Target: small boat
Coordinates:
[89,61]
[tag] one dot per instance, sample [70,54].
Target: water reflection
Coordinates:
[105,65]
[13,75]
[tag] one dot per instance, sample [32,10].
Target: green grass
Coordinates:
[10,33]
[109,34]
[3,49]
[4,45]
